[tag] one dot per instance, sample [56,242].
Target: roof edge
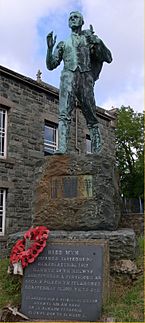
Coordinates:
[49,88]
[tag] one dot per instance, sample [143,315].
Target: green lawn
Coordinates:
[126,303]
[10,286]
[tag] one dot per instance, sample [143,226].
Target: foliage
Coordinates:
[129,146]
[10,286]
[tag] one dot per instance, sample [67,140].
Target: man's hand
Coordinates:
[91,38]
[50,41]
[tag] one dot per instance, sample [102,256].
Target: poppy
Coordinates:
[39,235]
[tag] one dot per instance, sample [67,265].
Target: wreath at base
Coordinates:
[22,254]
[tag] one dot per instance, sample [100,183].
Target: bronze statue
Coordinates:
[83,54]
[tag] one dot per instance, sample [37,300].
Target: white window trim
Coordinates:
[5,134]
[3,212]
[51,125]
[57,138]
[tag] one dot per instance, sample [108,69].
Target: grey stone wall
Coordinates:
[3,249]
[25,138]
[29,104]
[134,221]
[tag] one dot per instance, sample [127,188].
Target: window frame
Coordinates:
[52,145]
[3,210]
[3,133]
[89,139]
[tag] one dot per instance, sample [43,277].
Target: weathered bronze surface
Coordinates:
[70,186]
[83,54]
[68,281]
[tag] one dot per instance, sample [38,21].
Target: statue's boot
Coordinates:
[95,138]
[63,132]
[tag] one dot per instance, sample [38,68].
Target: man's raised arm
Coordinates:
[53,59]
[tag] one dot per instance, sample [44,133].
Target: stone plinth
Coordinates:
[76,193]
[122,242]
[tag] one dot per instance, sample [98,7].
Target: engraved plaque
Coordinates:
[70,187]
[65,282]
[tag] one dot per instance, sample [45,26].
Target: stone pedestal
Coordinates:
[122,242]
[76,192]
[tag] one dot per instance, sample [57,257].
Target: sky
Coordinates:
[24,25]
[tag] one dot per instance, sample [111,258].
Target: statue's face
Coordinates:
[75,20]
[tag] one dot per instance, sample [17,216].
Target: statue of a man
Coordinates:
[83,54]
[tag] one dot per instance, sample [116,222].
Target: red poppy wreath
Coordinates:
[21,256]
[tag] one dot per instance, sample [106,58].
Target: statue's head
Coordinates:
[75,19]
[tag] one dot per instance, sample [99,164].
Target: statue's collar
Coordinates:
[75,34]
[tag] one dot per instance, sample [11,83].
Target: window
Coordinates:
[88,145]
[2,210]
[3,125]
[50,138]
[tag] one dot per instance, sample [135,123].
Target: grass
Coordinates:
[10,286]
[125,303]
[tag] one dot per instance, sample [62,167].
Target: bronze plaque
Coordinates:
[66,282]
[70,187]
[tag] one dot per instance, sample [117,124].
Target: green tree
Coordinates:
[129,148]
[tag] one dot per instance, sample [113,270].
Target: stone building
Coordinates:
[28,132]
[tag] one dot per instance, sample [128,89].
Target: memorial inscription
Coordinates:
[65,282]
[70,187]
